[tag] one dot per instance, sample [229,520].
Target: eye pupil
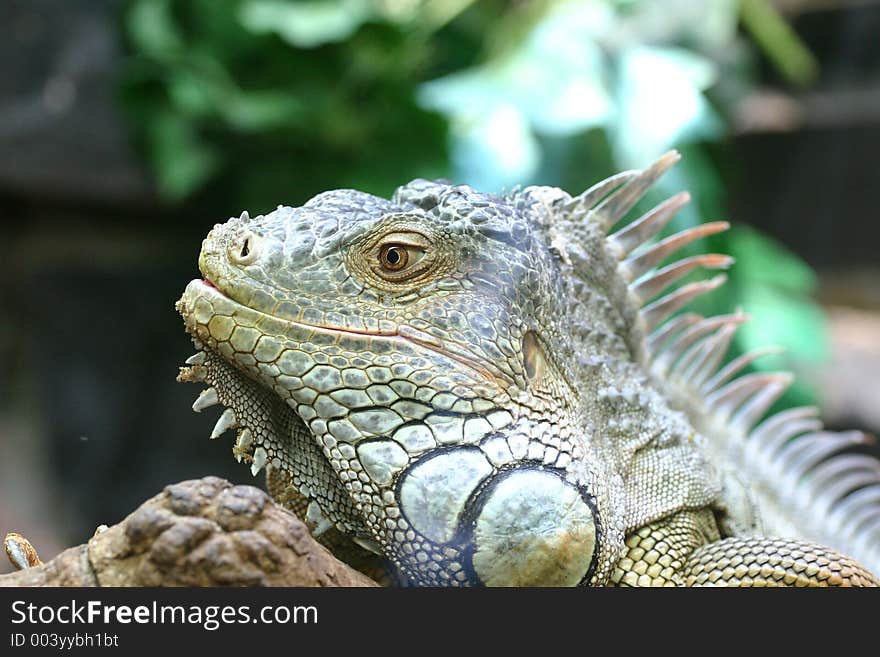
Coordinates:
[394,258]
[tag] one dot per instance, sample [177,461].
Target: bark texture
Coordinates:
[203,532]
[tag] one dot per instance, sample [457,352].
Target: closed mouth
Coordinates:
[452,350]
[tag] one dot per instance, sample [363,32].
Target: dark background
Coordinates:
[93,258]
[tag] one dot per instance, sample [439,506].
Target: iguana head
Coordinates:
[447,273]
[429,344]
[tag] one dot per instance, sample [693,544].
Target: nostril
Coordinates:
[243,249]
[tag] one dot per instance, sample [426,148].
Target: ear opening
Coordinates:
[534,359]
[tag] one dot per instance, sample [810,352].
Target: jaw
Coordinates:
[213,316]
[324,386]
[282,353]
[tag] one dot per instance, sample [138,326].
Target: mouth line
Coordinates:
[402,332]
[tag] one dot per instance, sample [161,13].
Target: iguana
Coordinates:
[491,390]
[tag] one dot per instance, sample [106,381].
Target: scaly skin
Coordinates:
[461,383]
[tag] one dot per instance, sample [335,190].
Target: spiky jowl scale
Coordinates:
[486,390]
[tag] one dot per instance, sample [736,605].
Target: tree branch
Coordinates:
[203,532]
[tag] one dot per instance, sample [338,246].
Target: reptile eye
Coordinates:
[396,257]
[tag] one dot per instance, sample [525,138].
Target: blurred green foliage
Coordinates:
[273,101]
[261,102]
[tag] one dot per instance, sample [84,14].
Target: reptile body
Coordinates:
[493,390]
